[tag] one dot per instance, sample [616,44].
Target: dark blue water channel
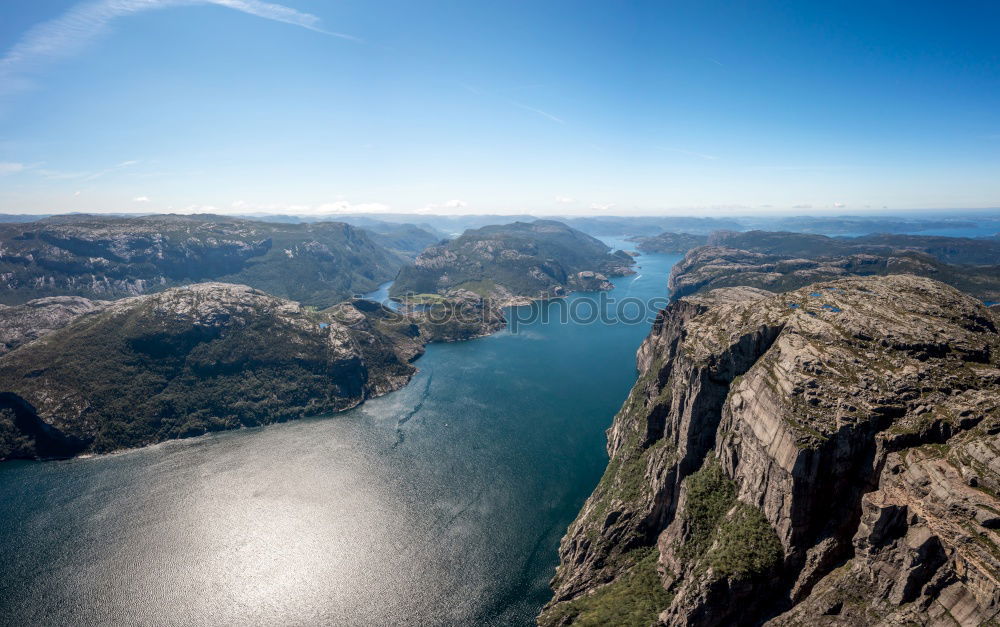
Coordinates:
[440,504]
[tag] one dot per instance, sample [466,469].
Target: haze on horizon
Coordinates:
[448,107]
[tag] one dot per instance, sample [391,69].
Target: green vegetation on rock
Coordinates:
[192,360]
[746,546]
[710,494]
[634,599]
[111,257]
[541,259]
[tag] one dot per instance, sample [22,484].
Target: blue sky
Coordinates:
[315,106]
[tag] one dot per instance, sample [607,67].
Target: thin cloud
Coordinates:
[564,200]
[544,114]
[141,199]
[84,176]
[499,95]
[691,153]
[343,206]
[69,33]
[448,204]
[7,167]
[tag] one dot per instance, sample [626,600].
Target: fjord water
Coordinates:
[440,504]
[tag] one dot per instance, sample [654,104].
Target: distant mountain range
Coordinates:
[953,222]
[110,257]
[783,261]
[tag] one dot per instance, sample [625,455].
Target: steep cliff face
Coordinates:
[827,454]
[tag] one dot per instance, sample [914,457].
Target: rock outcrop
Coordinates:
[514,263]
[460,315]
[824,456]
[188,360]
[784,261]
[24,323]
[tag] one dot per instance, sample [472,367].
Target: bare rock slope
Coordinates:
[21,324]
[830,455]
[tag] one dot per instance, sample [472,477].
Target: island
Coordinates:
[513,264]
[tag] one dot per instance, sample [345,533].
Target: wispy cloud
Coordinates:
[343,206]
[86,175]
[6,167]
[564,200]
[690,153]
[141,199]
[326,208]
[544,114]
[500,95]
[448,204]
[73,30]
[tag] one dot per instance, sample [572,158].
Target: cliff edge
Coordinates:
[830,455]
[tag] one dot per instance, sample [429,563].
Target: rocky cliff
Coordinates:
[514,263]
[830,455]
[102,257]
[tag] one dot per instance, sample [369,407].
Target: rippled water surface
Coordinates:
[440,504]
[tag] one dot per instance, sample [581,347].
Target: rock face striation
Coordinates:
[101,257]
[514,263]
[830,455]
[784,261]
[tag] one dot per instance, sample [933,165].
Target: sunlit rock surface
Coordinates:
[823,456]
